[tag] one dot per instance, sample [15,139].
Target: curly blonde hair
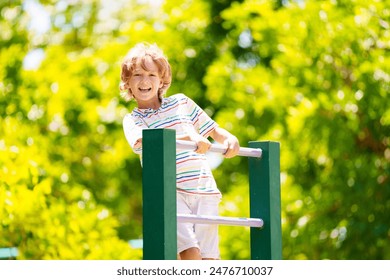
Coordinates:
[141,51]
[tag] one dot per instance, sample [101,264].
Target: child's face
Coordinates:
[144,83]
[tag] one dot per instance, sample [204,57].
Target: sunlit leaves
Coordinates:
[304,74]
[312,75]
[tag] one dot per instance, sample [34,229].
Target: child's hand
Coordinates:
[203,144]
[232,145]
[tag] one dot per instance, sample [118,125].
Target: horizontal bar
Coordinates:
[216,148]
[230,221]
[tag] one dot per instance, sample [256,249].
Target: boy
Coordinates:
[145,77]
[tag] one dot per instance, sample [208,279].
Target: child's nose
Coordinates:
[144,79]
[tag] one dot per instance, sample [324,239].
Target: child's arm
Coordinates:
[138,143]
[224,137]
[220,135]
[202,143]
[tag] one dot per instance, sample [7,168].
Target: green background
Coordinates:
[312,75]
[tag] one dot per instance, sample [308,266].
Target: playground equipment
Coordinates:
[159,197]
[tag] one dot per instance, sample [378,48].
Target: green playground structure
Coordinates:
[159,197]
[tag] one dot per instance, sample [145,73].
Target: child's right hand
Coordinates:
[202,143]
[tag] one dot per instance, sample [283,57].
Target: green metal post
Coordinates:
[264,185]
[159,194]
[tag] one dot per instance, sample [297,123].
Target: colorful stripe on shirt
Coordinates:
[193,174]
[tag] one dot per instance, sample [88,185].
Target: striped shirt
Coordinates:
[193,173]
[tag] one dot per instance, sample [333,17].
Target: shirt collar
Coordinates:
[147,111]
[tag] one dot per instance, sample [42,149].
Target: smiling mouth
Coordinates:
[144,89]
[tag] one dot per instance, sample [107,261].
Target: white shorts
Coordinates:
[202,236]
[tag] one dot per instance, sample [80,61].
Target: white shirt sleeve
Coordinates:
[133,132]
[202,123]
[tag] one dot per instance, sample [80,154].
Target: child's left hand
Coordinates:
[232,145]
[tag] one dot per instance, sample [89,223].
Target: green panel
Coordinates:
[159,194]
[264,184]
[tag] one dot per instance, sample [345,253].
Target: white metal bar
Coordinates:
[232,221]
[216,148]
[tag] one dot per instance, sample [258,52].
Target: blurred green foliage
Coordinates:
[313,75]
